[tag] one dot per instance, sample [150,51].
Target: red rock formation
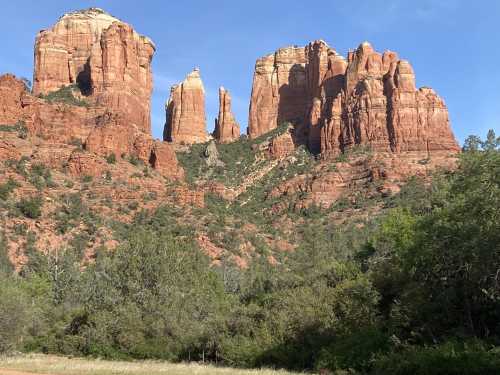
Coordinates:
[8,151]
[121,74]
[83,163]
[62,53]
[101,132]
[187,197]
[12,92]
[51,121]
[185,112]
[278,90]
[419,118]
[334,104]
[111,65]
[103,56]
[163,160]
[226,128]
[281,146]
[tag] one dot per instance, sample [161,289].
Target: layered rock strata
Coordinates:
[104,57]
[107,64]
[185,112]
[370,99]
[97,130]
[226,128]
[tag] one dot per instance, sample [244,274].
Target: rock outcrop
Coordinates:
[99,131]
[278,90]
[185,112]
[370,99]
[104,57]
[226,128]
[107,66]
[54,122]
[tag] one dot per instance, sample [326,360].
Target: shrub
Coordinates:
[108,176]
[65,95]
[134,160]
[446,359]
[31,207]
[13,314]
[87,179]
[76,142]
[133,205]
[111,158]
[7,188]
[19,127]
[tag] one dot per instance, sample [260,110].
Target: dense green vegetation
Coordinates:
[237,159]
[413,291]
[65,95]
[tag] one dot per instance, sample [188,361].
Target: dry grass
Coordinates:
[43,364]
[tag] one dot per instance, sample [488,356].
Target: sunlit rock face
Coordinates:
[334,103]
[185,112]
[107,66]
[104,57]
[226,128]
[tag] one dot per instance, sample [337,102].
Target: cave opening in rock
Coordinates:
[83,80]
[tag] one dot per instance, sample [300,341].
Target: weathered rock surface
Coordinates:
[100,132]
[281,145]
[278,90]
[12,92]
[104,57]
[185,112]
[211,155]
[370,99]
[110,64]
[226,128]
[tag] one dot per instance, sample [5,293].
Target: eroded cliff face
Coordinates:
[55,126]
[104,57]
[370,99]
[278,90]
[185,112]
[226,128]
[108,66]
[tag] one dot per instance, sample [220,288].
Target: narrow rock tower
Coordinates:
[185,111]
[226,128]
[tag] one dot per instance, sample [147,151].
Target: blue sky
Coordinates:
[453,45]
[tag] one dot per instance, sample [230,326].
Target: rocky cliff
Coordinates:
[370,99]
[226,127]
[185,111]
[104,57]
[92,87]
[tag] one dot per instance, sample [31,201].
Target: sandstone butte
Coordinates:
[185,112]
[104,57]
[369,99]
[226,128]
[108,65]
[333,103]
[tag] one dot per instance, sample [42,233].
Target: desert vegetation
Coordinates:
[412,289]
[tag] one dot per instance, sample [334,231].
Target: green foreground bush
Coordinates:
[414,293]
